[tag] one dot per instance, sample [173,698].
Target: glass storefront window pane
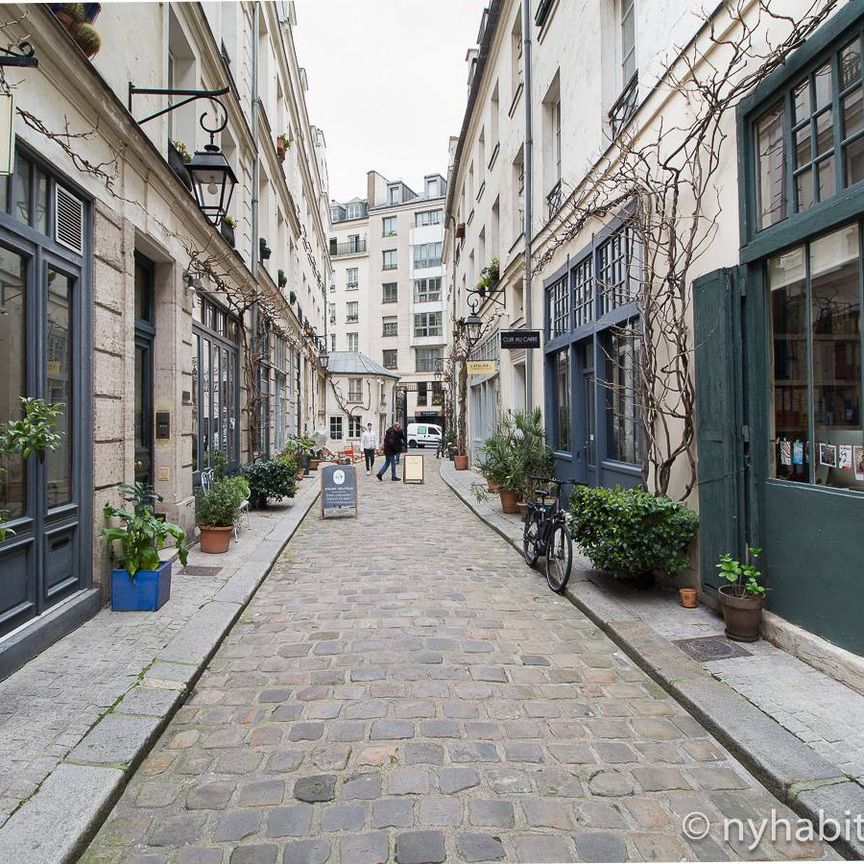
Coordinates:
[562,378]
[40,221]
[58,371]
[196,355]
[21,184]
[13,490]
[850,64]
[827,186]
[790,420]
[804,188]
[824,132]
[836,315]
[823,87]
[625,429]
[802,101]
[853,118]
[770,168]
[854,155]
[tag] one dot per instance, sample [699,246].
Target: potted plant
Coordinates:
[282,279]
[283,142]
[271,479]
[178,158]
[141,581]
[743,598]
[216,512]
[226,228]
[88,39]
[292,298]
[70,15]
[264,249]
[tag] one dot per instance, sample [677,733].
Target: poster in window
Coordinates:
[858,461]
[798,453]
[785,451]
[828,455]
[844,452]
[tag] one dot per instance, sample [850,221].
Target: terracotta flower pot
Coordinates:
[461,462]
[742,614]
[313,464]
[493,488]
[215,540]
[509,501]
[522,507]
[301,473]
[688,598]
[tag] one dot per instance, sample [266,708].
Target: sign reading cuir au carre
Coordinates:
[520,338]
[338,491]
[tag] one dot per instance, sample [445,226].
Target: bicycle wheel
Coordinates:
[530,534]
[559,558]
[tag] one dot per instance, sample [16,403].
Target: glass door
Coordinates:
[145,333]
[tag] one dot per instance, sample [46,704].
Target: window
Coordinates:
[390,360]
[336,428]
[389,292]
[355,389]
[824,125]
[352,314]
[353,341]
[428,217]
[394,194]
[562,400]
[516,58]
[518,194]
[390,326]
[583,292]
[332,341]
[427,290]
[388,226]
[331,312]
[494,110]
[558,298]
[427,324]
[422,397]
[352,279]
[356,210]
[355,427]
[280,366]
[624,425]
[815,307]
[427,255]
[390,261]
[556,138]
[264,368]
[428,359]
[618,270]
[628,40]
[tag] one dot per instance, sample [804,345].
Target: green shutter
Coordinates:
[719,424]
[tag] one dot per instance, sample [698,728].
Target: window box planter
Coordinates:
[215,541]
[227,231]
[147,592]
[177,164]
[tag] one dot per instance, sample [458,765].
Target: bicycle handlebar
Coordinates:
[552,480]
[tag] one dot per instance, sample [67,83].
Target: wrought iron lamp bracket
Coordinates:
[24,54]
[189,96]
[476,299]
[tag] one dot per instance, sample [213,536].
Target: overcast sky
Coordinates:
[387,84]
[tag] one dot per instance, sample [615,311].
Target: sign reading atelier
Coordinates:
[338,491]
[520,338]
[481,367]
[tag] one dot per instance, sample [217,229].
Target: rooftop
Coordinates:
[356,363]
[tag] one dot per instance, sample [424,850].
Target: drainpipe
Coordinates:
[529,196]
[256,165]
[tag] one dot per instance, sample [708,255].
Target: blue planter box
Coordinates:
[150,590]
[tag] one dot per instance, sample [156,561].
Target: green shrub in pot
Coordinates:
[271,479]
[218,507]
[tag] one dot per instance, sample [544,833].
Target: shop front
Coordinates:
[779,351]
[592,358]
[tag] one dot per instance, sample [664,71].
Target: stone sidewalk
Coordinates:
[403,688]
[803,731]
[77,719]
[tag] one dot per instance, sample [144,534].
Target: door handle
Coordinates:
[139,464]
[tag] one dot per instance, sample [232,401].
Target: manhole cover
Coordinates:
[709,648]
[199,570]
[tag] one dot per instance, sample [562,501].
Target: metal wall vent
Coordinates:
[68,220]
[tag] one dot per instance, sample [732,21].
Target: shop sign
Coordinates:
[482,367]
[520,338]
[412,468]
[338,491]
[7,133]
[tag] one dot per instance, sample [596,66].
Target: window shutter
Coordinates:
[719,420]
[68,220]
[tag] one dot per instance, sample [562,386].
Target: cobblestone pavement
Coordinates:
[402,688]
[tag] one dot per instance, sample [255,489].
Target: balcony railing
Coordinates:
[554,199]
[352,319]
[352,286]
[623,109]
[422,263]
[352,247]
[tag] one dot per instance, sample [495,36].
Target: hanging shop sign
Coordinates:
[7,133]
[520,338]
[482,367]
[338,491]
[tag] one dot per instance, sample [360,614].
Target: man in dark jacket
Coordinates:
[394,442]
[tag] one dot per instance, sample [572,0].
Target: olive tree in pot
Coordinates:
[216,512]
[141,581]
[743,598]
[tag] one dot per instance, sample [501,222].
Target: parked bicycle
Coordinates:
[546,535]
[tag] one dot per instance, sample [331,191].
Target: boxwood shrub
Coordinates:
[273,479]
[630,531]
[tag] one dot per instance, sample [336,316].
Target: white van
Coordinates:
[423,435]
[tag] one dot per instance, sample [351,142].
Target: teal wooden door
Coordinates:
[719,422]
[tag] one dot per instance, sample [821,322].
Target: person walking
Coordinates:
[368,442]
[394,441]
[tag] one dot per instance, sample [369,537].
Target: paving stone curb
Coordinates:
[798,776]
[59,820]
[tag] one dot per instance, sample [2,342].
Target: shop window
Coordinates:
[816,432]
[558,298]
[624,414]
[583,292]
[562,400]
[617,270]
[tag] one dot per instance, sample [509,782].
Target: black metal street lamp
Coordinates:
[213,181]
[473,325]
[324,358]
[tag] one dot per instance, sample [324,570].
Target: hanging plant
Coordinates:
[88,39]
[181,148]
[292,298]
[282,279]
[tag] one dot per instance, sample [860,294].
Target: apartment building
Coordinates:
[183,299]
[769,309]
[386,299]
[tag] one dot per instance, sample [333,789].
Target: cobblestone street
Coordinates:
[403,688]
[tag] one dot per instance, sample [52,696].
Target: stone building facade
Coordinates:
[163,338]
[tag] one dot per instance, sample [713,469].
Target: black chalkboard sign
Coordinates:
[338,491]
